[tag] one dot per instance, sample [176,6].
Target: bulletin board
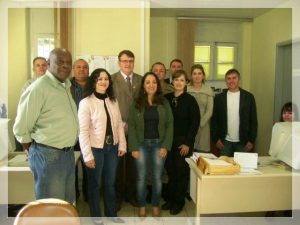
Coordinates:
[110,63]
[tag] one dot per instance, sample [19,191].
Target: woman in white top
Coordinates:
[204,96]
[102,141]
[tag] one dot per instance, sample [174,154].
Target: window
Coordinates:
[216,58]
[44,46]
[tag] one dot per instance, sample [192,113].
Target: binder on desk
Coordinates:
[220,166]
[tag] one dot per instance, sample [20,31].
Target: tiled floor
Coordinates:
[128,210]
[130,215]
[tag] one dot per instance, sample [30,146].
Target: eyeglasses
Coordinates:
[127,61]
[175,102]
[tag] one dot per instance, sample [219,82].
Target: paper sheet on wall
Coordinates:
[110,63]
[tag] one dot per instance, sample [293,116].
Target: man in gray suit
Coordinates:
[126,85]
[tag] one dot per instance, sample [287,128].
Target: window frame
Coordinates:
[213,64]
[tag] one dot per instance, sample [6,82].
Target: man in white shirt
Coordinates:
[234,121]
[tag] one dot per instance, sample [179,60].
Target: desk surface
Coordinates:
[266,171]
[269,191]
[19,188]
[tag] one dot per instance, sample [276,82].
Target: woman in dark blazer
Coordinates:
[186,116]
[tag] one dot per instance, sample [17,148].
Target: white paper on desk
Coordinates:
[196,155]
[246,159]
[217,162]
[18,159]
[246,171]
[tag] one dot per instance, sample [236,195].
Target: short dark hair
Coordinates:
[77,60]
[38,57]
[231,71]
[178,73]
[126,52]
[91,84]
[176,60]
[142,100]
[158,63]
[289,107]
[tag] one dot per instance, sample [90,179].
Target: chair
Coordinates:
[48,212]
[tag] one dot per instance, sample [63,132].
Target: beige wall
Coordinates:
[163,38]
[18,57]
[268,30]
[109,31]
[257,45]
[96,31]
[163,43]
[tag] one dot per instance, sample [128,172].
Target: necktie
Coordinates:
[128,83]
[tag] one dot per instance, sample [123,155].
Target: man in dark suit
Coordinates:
[234,121]
[126,85]
[175,64]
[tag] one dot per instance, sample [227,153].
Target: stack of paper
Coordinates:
[18,160]
[196,155]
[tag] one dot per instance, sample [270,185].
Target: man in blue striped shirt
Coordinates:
[79,80]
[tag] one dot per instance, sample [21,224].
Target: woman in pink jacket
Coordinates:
[102,141]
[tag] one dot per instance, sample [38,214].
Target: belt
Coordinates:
[65,149]
[109,139]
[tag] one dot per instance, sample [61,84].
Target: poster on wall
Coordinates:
[110,63]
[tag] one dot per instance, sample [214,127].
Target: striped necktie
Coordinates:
[129,83]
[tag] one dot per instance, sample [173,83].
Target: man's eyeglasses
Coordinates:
[175,102]
[127,61]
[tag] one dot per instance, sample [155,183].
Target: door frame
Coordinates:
[278,88]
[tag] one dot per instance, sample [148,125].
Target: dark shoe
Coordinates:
[134,203]
[188,197]
[166,206]
[119,205]
[117,220]
[175,210]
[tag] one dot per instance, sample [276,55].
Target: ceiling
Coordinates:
[242,13]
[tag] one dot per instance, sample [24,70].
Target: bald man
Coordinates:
[47,127]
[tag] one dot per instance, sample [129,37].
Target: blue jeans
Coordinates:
[53,171]
[106,160]
[149,158]
[231,147]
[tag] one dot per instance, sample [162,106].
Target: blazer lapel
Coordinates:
[122,84]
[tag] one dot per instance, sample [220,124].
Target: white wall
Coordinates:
[269,29]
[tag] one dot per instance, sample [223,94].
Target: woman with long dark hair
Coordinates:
[150,132]
[102,141]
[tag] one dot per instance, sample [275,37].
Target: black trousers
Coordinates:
[126,179]
[178,174]
[84,176]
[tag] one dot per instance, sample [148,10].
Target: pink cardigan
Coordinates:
[92,123]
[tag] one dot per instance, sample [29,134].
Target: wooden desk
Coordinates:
[20,188]
[270,191]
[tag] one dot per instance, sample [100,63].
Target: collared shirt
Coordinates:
[77,93]
[125,76]
[27,84]
[47,114]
